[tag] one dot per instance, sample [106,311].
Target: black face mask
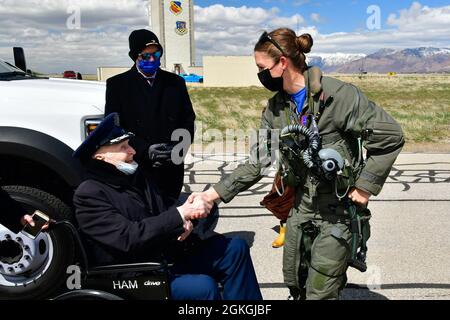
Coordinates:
[271,83]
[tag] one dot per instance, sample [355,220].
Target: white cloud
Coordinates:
[419,17]
[312,30]
[290,22]
[315,17]
[40,27]
[416,26]
[233,31]
[218,16]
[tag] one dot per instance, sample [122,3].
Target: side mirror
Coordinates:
[19,58]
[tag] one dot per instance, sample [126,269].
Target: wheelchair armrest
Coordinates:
[133,267]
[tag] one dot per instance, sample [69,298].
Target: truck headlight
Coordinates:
[90,125]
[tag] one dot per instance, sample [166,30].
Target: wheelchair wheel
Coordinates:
[87,295]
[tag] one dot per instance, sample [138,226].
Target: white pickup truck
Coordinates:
[42,121]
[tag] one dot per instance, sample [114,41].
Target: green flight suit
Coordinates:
[317,244]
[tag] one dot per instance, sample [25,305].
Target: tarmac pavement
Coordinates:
[409,249]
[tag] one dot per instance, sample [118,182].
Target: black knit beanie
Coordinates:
[139,40]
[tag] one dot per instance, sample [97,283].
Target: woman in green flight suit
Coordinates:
[318,233]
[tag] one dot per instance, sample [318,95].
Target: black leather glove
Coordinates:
[160,154]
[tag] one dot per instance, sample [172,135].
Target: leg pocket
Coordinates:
[329,255]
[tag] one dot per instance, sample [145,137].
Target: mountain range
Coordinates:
[416,60]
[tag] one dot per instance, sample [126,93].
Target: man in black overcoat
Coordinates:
[153,104]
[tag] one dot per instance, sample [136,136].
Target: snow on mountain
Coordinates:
[328,61]
[423,60]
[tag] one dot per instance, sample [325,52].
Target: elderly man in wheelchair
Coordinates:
[124,223]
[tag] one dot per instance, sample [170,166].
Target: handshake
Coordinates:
[197,206]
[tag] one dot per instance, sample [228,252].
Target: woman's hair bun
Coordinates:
[305,42]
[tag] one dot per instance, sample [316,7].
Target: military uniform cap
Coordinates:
[108,132]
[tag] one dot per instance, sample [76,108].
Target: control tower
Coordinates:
[173,23]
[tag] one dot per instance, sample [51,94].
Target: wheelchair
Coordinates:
[136,281]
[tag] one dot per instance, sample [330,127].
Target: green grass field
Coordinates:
[420,103]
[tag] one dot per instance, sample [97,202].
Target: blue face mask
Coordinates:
[127,168]
[148,67]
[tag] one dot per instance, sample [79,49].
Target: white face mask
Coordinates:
[127,168]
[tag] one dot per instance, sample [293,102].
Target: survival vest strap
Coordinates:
[331,137]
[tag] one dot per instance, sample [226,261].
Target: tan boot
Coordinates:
[279,241]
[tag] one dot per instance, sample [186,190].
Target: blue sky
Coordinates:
[222,27]
[338,16]
[336,26]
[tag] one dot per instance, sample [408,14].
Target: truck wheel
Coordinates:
[35,269]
